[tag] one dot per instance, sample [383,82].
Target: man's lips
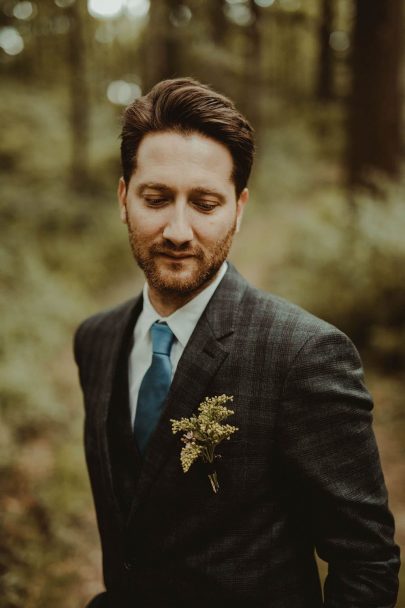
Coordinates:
[176,256]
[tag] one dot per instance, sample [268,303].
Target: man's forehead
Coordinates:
[164,145]
[193,160]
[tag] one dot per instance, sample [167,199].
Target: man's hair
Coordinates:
[186,106]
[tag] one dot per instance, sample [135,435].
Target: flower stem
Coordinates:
[214,481]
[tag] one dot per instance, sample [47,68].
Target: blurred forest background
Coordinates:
[321,82]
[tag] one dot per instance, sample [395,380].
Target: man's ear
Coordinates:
[240,207]
[122,199]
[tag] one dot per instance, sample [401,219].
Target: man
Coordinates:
[302,471]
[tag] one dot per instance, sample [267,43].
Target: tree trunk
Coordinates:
[162,43]
[79,97]
[325,62]
[375,109]
[251,94]
[217,21]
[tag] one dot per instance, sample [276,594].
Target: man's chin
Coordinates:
[175,282]
[175,279]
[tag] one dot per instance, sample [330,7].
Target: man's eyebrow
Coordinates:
[152,186]
[163,188]
[207,192]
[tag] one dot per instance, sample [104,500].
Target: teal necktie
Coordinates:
[155,385]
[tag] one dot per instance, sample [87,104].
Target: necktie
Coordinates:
[155,384]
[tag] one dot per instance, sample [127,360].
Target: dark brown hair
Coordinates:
[185,105]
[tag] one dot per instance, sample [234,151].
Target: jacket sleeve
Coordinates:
[325,433]
[99,601]
[79,351]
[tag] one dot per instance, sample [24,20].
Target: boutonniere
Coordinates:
[203,433]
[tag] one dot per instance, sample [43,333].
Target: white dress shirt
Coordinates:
[182,323]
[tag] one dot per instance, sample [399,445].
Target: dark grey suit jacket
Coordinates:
[301,474]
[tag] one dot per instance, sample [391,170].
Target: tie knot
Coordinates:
[162,338]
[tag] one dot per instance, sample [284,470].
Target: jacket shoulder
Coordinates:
[279,309]
[101,326]
[266,308]
[288,323]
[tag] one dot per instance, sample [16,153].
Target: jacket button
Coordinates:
[128,565]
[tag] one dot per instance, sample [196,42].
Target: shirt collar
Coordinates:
[183,320]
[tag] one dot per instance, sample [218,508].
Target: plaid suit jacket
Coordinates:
[301,475]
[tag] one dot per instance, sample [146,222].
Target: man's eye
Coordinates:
[205,205]
[155,201]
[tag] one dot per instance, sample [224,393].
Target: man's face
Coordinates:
[181,210]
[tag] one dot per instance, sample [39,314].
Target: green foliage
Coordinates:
[340,255]
[58,253]
[347,265]
[62,249]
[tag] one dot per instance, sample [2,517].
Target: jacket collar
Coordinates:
[116,338]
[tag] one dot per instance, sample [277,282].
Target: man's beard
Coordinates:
[206,264]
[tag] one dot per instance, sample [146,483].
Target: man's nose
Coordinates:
[178,229]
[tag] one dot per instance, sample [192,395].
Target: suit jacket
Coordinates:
[301,475]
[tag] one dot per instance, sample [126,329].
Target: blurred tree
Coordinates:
[325,61]
[218,22]
[252,82]
[79,97]
[46,43]
[375,108]
[163,41]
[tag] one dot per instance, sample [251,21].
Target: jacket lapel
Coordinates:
[120,333]
[201,360]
